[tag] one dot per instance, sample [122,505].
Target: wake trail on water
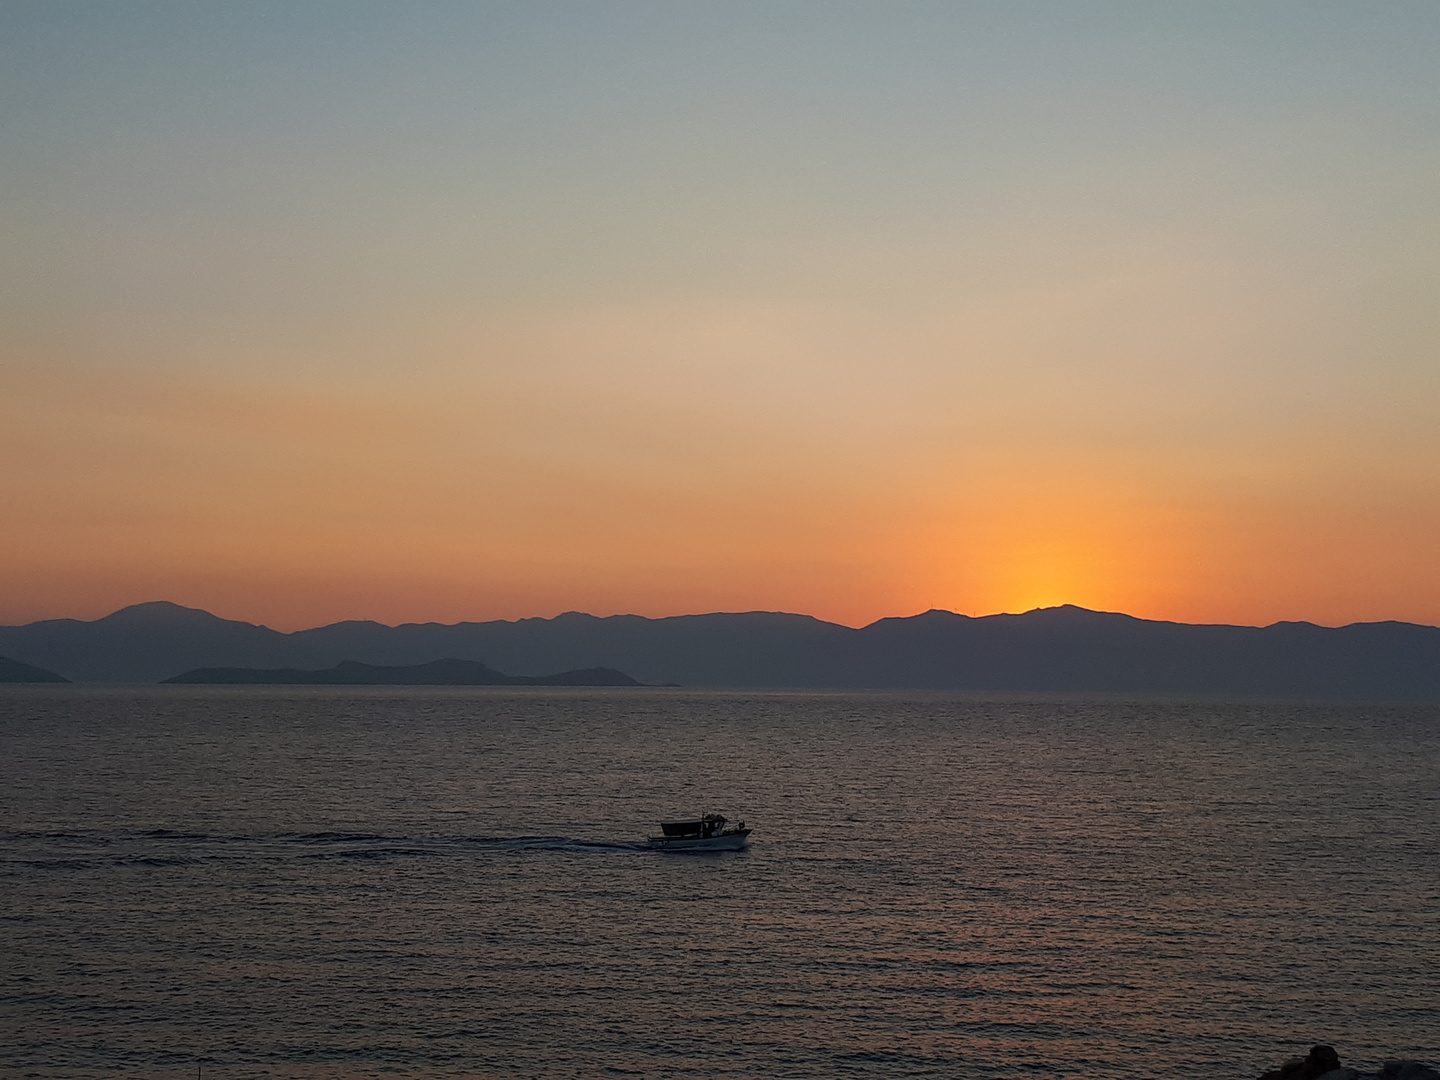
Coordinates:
[167,847]
[355,843]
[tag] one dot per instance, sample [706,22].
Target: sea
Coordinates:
[313,882]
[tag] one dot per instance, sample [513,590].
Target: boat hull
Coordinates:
[731,841]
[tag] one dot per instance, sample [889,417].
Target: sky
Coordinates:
[441,311]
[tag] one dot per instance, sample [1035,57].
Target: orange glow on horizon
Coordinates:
[299,509]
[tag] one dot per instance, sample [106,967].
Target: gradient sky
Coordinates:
[467,311]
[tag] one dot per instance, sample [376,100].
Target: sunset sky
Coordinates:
[468,311]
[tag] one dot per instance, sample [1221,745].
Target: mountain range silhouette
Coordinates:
[1061,649]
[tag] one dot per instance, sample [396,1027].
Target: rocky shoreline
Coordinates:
[1323,1063]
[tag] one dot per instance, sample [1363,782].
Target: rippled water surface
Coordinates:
[326,882]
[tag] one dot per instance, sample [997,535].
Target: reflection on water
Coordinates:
[324,882]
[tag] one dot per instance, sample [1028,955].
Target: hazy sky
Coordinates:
[464,311]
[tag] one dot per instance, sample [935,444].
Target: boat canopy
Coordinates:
[682,828]
[692,828]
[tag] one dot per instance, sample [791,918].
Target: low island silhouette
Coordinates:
[13,671]
[449,672]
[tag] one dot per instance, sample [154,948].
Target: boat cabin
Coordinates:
[708,826]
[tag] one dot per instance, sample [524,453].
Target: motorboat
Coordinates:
[709,833]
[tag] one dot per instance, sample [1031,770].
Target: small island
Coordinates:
[436,673]
[13,671]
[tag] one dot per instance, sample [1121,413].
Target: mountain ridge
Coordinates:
[1062,648]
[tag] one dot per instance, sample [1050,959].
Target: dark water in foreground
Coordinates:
[443,883]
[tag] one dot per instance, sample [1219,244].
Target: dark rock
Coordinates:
[1320,1060]
[1286,1071]
[1323,1063]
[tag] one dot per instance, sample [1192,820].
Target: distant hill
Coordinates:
[1050,649]
[150,642]
[14,671]
[447,672]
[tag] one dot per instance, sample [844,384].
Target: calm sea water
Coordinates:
[327,882]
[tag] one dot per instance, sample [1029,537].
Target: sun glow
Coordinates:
[830,330]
